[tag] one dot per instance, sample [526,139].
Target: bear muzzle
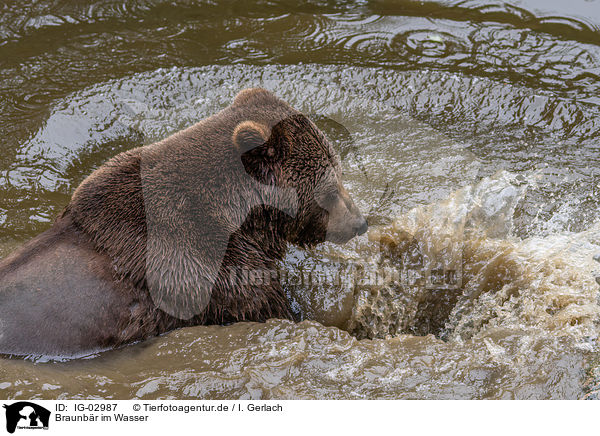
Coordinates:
[360,226]
[345,221]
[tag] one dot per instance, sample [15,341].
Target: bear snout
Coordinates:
[342,230]
[360,226]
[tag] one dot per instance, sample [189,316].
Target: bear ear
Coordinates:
[245,95]
[249,135]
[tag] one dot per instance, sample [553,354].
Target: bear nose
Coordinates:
[361,226]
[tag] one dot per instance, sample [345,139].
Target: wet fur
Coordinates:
[83,284]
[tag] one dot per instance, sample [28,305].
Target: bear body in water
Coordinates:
[168,235]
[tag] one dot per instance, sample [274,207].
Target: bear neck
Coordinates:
[265,228]
[109,208]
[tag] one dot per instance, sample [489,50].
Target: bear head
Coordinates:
[281,147]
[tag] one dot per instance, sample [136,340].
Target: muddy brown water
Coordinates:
[469,134]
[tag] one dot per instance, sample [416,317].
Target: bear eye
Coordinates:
[331,197]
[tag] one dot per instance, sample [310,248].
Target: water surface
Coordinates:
[469,137]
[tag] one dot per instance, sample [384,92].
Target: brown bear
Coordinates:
[170,234]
